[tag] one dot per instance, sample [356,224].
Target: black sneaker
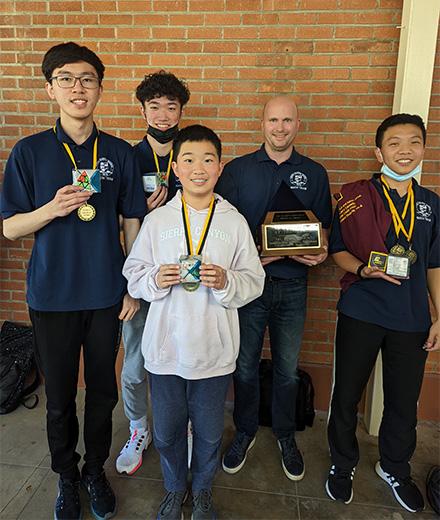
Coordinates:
[68,505]
[202,506]
[102,498]
[339,485]
[291,458]
[235,457]
[405,490]
[171,506]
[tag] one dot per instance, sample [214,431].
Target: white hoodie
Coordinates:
[194,335]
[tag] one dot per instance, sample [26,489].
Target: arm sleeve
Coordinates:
[140,268]
[245,277]
[18,195]
[434,246]
[226,185]
[322,205]
[132,202]
[336,244]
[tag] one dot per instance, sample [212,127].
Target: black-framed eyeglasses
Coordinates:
[68,81]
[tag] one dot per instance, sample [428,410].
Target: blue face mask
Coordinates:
[396,177]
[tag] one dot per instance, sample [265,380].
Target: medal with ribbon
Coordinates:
[398,222]
[151,181]
[190,263]
[88,179]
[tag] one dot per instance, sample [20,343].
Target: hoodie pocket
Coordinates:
[195,340]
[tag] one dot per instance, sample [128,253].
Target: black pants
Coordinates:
[58,337]
[356,349]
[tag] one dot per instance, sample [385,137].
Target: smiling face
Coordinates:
[162,113]
[77,102]
[402,148]
[280,124]
[198,167]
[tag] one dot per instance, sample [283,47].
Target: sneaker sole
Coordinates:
[231,471]
[336,499]
[79,518]
[383,476]
[132,469]
[291,476]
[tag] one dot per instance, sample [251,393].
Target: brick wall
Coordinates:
[337,56]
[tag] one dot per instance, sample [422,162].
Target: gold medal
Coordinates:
[411,255]
[190,287]
[397,250]
[86,212]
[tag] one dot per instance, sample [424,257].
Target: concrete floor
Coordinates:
[260,490]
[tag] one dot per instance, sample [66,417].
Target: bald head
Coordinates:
[280,125]
[283,102]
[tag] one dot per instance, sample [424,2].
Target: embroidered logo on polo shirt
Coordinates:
[424,211]
[106,168]
[298,181]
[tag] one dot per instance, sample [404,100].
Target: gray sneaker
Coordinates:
[202,506]
[171,506]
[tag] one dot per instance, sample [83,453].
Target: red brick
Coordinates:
[67,6]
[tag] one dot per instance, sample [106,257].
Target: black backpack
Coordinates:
[17,366]
[433,488]
[305,411]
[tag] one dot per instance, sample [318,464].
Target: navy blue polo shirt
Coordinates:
[145,159]
[402,307]
[251,182]
[74,265]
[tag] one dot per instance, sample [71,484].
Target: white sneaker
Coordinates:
[130,457]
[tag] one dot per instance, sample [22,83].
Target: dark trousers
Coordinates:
[174,401]
[58,337]
[403,359]
[282,307]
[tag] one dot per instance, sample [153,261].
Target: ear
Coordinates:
[175,169]
[144,115]
[221,166]
[378,154]
[49,89]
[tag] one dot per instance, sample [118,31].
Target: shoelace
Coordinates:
[99,486]
[168,502]
[203,500]
[401,482]
[69,489]
[135,441]
[290,450]
[240,444]
[341,473]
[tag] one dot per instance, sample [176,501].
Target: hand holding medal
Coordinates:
[68,199]
[213,276]
[168,275]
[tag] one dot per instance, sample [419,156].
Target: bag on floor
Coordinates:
[433,488]
[305,411]
[17,368]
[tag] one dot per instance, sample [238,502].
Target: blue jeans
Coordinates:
[174,401]
[134,376]
[282,307]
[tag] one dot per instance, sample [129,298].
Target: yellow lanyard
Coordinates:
[70,154]
[156,160]
[206,225]
[398,219]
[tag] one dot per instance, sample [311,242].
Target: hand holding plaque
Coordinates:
[291,233]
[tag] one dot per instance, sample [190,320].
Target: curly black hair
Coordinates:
[160,84]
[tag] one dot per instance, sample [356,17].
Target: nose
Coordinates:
[77,86]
